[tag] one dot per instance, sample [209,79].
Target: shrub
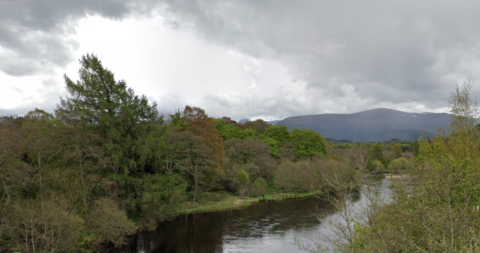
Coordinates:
[259,187]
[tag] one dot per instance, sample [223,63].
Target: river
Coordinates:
[264,227]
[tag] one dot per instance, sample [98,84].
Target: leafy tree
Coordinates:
[295,176]
[377,166]
[128,124]
[415,147]
[259,126]
[279,133]
[397,150]
[39,135]
[395,164]
[359,158]
[242,182]
[259,187]
[109,223]
[464,120]
[308,143]
[228,129]
[251,151]
[162,195]
[200,124]
[195,160]
[377,153]
[178,121]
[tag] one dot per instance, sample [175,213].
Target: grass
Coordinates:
[222,200]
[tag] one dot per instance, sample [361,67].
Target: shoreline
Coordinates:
[237,202]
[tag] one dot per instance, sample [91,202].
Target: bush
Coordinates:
[242,182]
[377,166]
[259,187]
[395,164]
[295,176]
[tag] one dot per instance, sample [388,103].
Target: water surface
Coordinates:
[263,227]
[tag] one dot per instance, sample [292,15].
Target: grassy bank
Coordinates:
[219,201]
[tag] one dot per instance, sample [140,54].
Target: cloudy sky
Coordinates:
[253,59]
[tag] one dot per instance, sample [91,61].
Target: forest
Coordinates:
[106,164]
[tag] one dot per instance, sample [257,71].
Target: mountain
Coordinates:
[273,122]
[372,125]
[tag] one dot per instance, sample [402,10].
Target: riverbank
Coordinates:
[221,201]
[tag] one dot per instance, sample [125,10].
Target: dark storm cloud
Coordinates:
[33,34]
[389,51]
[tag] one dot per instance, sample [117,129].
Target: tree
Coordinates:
[395,165]
[308,143]
[295,176]
[109,223]
[259,187]
[195,160]
[251,151]
[279,133]
[200,124]
[242,182]
[161,197]
[125,121]
[131,132]
[415,147]
[359,158]
[464,120]
[377,153]
[377,166]
[259,126]
[397,150]
[39,136]
[435,210]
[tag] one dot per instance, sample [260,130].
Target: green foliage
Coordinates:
[200,124]
[249,151]
[295,176]
[397,150]
[376,166]
[259,187]
[242,182]
[415,147]
[272,145]
[108,223]
[177,121]
[307,143]
[259,126]
[124,120]
[377,153]
[229,131]
[160,199]
[279,133]
[395,165]
[436,210]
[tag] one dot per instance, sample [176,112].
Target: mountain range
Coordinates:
[371,126]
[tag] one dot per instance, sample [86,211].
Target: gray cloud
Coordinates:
[351,55]
[389,51]
[34,34]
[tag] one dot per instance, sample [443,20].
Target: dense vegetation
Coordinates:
[106,164]
[437,209]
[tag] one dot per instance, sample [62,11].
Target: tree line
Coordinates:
[107,163]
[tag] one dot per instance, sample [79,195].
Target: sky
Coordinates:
[267,59]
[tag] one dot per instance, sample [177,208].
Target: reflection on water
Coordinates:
[263,227]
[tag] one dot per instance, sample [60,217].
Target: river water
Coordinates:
[263,227]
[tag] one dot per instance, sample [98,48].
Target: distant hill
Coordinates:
[273,122]
[372,125]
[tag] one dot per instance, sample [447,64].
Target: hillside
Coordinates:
[372,125]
